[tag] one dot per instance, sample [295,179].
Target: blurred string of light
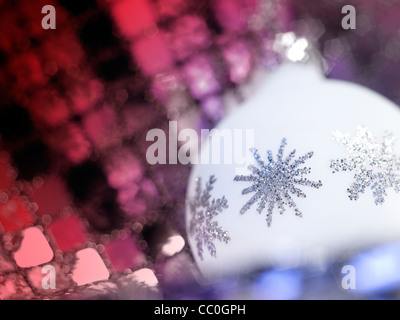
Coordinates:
[277,285]
[377,271]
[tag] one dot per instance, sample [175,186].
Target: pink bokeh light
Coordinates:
[89,267]
[34,249]
[123,254]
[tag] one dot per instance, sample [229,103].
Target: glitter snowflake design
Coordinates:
[275,181]
[203,211]
[372,161]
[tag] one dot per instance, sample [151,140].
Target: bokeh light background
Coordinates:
[76,103]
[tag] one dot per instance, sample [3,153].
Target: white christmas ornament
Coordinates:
[336,193]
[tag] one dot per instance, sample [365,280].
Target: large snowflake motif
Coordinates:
[372,161]
[275,181]
[203,211]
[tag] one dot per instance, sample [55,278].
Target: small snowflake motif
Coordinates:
[274,182]
[372,161]
[203,211]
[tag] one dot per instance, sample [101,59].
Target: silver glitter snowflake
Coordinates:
[275,181]
[203,211]
[372,161]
